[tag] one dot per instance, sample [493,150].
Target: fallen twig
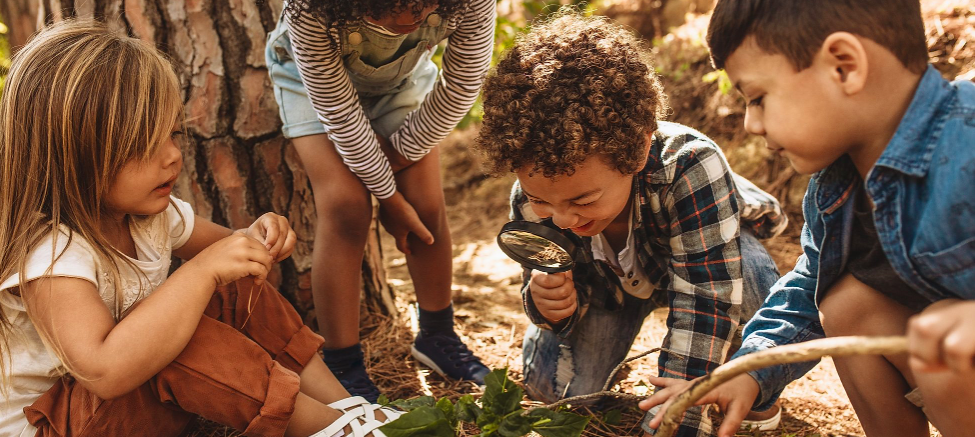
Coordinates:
[793,353]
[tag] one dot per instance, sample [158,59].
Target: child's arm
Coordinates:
[465,61]
[112,359]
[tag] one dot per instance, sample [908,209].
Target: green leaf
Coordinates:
[501,395]
[488,420]
[447,408]
[421,422]
[412,404]
[466,410]
[516,424]
[383,400]
[613,417]
[558,424]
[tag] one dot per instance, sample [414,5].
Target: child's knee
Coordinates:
[350,212]
[843,307]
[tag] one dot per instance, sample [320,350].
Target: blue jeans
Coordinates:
[556,369]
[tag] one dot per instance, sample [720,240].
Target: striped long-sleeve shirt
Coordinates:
[465,61]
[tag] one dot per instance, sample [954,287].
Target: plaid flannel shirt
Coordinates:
[688,209]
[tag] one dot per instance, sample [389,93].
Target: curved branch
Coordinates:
[793,353]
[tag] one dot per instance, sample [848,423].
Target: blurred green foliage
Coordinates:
[4,53]
[506,31]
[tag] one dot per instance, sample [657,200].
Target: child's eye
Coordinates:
[585,204]
[535,201]
[177,133]
[756,101]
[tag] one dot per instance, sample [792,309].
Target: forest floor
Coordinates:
[486,283]
[486,286]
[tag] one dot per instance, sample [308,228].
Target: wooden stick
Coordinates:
[793,353]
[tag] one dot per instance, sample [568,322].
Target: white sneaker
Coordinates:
[762,423]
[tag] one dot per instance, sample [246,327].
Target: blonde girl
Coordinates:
[98,339]
[365,107]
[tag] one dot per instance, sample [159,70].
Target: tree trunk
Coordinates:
[236,164]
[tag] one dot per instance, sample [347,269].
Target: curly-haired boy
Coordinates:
[573,109]
[843,90]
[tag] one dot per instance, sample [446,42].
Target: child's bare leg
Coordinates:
[948,399]
[431,266]
[876,385]
[309,417]
[344,211]
[320,384]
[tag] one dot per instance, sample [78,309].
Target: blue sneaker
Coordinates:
[356,381]
[448,356]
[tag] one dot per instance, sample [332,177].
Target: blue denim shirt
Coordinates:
[923,188]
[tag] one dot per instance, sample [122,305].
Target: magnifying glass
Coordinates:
[537,246]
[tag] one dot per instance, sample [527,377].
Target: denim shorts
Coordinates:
[386,113]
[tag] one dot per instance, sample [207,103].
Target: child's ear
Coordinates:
[845,58]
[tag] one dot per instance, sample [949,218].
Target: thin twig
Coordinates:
[793,353]
[606,392]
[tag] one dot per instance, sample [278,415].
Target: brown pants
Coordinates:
[240,375]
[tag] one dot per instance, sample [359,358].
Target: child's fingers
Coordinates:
[288,246]
[924,338]
[402,244]
[271,231]
[734,413]
[549,280]
[421,231]
[959,349]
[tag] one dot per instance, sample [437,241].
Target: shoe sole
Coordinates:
[769,424]
[419,356]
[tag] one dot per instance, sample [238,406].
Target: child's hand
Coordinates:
[942,337]
[396,161]
[735,398]
[232,258]
[275,232]
[400,220]
[554,294]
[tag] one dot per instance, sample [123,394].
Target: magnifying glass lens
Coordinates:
[536,246]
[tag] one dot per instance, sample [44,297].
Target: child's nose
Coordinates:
[753,122]
[173,155]
[565,220]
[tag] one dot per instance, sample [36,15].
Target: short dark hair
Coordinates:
[571,88]
[797,28]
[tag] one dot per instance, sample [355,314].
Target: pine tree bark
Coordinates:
[236,164]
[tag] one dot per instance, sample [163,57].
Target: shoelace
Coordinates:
[455,349]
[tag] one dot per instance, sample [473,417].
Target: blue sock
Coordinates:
[339,360]
[436,322]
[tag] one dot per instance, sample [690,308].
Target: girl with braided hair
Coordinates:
[365,107]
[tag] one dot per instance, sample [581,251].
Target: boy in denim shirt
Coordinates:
[573,109]
[843,90]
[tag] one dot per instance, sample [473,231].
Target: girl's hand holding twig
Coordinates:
[234,257]
[400,220]
[276,233]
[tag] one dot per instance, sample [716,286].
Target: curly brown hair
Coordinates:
[342,13]
[572,87]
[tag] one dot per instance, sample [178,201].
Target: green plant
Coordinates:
[499,413]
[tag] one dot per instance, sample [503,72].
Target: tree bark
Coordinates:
[236,163]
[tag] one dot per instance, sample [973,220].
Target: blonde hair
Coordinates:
[80,101]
